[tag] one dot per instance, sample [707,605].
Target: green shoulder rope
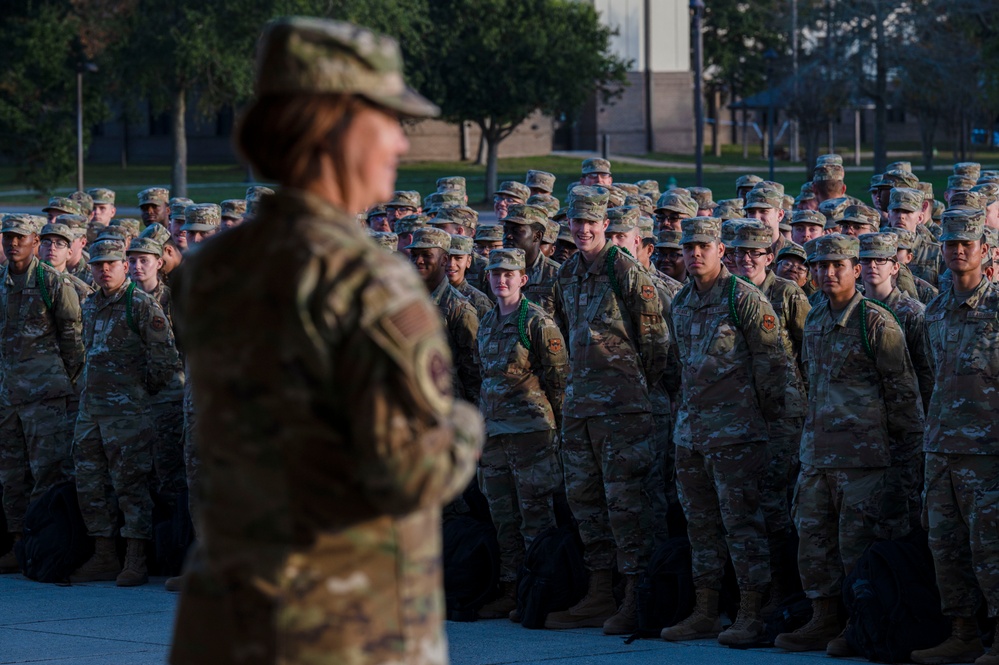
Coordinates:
[129,318]
[868,349]
[43,288]
[522,325]
[611,273]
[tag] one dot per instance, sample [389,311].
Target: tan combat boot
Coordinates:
[625,620]
[702,623]
[839,647]
[174,584]
[8,562]
[818,632]
[963,646]
[134,573]
[596,606]
[991,657]
[102,567]
[502,606]
[748,627]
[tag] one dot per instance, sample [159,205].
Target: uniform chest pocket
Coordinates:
[601,303]
[34,313]
[681,322]
[725,332]
[980,339]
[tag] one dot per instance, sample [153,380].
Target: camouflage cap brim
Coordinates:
[504,264]
[108,256]
[198,227]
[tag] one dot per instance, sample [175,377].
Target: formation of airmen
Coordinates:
[767,363]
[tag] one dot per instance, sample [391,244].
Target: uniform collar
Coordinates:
[439,290]
[844,317]
[972,301]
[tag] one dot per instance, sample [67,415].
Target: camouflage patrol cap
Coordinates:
[900,166]
[507,259]
[432,202]
[542,180]
[298,54]
[404,199]
[21,223]
[649,188]
[144,246]
[565,233]
[990,190]
[669,239]
[546,202]
[878,246]
[560,216]
[646,228]
[861,214]
[63,204]
[704,198]
[810,248]
[747,181]
[675,200]
[375,211]
[430,237]
[460,215]
[132,226]
[233,208]
[875,182]
[515,189]
[257,192]
[729,228]
[969,199]
[116,234]
[988,176]
[898,178]
[596,165]
[770,184]
[788,204]
[962,225]
[57,229]
[828,172]
[792,249]
[107,250]
[102,195]
[643,203]
[461,246]
[76,223]
[960,182]
[623,219]
[155,195]
[833,209]
[410,223]
[926,188]
[571,186]
[764,197]
[807,193]
[836,247]
[615,196]
[452,183]
[753,235]
[968,169]
[813,217]
[829,159]
[905,238]
[906,198]
[202,217]
[85,201]
[521,213]
[992,240]
[385,239]
[938,208]
[628,188]
[551,232]
[178,206]
[157,233]
[588,203]
[490,233]
[700,229]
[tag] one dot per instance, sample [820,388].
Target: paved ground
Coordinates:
[99,624]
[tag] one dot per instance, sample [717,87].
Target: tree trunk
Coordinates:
[178,178]
[492,161]
[479,161]
[881,93]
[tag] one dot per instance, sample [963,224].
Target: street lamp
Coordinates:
[769,56]
[697,8]
[90,68]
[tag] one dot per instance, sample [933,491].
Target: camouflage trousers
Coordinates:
[778,480]
[518,474]
[605,461]
[661,479]
[113,461]
[962,515]
[720,493]
[35,454]
[837,512]
[167,420]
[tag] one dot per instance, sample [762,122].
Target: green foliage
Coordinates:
[736,35]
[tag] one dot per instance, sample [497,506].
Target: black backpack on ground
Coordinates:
[471,566]
[553,577]
[55,541]
[665,594]
[892,600]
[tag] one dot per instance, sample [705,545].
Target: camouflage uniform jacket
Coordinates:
[926,259]
[476,274]
[792,307]
[964,348]
[83,289]
[42,348]
[911,314]
[669,386]
[480,301]
[175,392]
[522,387]
[618,340]
[161,294]
[462,325]
[82,271]
[327,430]
[862,412]
[734,373]
[131,353]
[541,278]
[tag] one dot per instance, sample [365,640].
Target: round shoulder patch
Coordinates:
[158,324]
[432,368]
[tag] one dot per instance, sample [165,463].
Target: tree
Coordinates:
[494,62]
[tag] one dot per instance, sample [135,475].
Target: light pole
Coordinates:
[697,7]
[770,56]
[90,68]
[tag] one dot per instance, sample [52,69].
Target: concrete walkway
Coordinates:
[100,624]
